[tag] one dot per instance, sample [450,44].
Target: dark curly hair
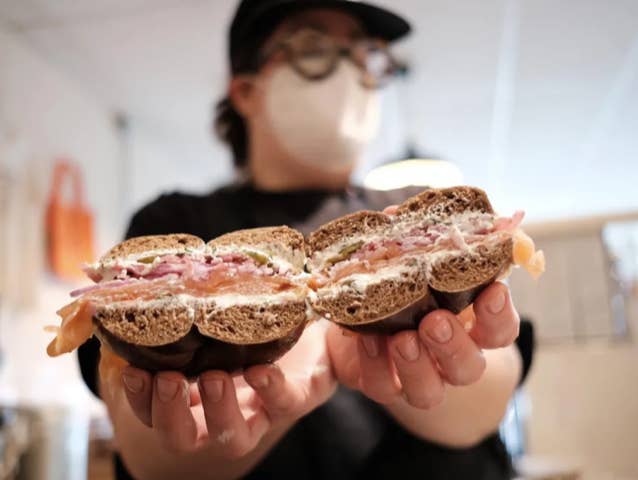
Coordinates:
[230,128]
[229,125]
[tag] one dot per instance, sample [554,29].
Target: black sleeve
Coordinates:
[526,344]
[403,455]
[89,357]
[169,213]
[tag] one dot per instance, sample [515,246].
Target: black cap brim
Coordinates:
[377,21]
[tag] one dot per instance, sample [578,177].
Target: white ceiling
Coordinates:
[537,100]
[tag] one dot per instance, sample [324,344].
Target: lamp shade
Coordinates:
[414,172]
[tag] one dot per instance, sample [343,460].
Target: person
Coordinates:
[303,102]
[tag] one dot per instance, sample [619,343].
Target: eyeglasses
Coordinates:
[315,55]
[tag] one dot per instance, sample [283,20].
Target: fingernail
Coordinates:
[371,345]
[440,329]
[497,304]
[409,349]
[133,383]
[261,382]
[167,389]
[214,388]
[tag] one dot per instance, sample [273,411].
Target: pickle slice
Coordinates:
[259,258]
[345,253]
[147,260]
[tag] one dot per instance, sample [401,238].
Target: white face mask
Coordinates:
[327,123]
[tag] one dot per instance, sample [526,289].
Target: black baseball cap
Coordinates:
[255,19]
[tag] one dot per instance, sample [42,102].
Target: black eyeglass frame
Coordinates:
[369,80]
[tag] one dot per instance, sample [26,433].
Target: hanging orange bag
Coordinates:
[69,224]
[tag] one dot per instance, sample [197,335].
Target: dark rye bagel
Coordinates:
[398,300]
[193,334]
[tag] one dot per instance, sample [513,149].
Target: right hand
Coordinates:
[231,414]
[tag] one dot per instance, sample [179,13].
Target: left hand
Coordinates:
[226,415]
[416,365]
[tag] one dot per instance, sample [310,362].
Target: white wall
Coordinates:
[584,383]
[584,406]
[52,115]
[164,160]
[55,116]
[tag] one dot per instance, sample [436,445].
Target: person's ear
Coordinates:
[242,93]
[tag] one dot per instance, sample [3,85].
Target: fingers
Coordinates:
[226,425]
[377,377]
[460,361]
[344,355]
[280,397]
[164,402]
[171,415]
[421,383]
[138,386]
[497,322]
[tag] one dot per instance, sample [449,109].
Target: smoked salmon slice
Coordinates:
[77,324]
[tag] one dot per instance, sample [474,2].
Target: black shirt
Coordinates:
[349,436]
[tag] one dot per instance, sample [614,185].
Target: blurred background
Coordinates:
[535,101]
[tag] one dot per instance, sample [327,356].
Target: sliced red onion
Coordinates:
[456,238]
[200,271]
[220,267]
[138,270]
[92,272]
[165,270]
[101,286]
[247,268]
[186,267]
[233,258]
[509,224]
[175,259]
